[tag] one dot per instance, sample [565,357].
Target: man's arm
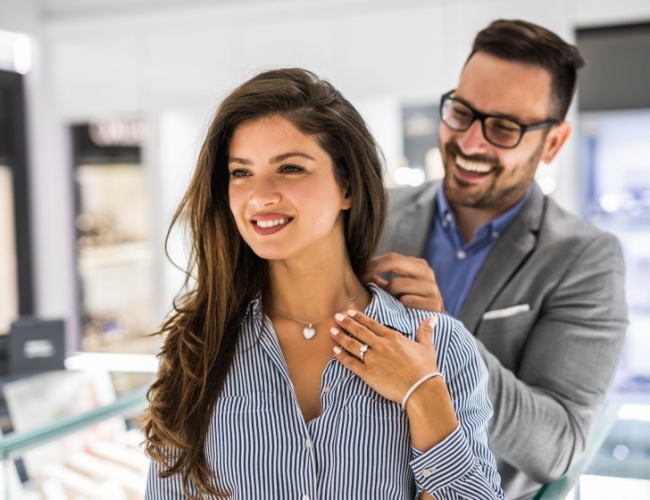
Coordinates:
[544,410]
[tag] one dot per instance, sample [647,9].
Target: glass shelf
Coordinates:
[73,437]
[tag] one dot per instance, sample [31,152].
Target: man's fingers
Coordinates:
[399,264]
[418,294]
[399,286]
[424,303]
[377,280]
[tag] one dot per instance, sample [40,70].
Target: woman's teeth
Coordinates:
[271,223]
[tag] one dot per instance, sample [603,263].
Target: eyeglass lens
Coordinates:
[498,131]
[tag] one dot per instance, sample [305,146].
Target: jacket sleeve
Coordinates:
[568,363]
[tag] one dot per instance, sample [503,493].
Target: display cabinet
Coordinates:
[74,437]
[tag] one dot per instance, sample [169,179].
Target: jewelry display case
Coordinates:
[76,435]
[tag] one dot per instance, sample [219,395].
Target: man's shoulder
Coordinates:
[560,225]
[403,196]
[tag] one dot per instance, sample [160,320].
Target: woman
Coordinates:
[273,383]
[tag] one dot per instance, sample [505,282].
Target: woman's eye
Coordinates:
[291,169]
[237,173]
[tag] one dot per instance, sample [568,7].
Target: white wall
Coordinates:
[173,61]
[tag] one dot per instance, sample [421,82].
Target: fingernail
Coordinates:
[351,313]
[337,350]
[334,331]
[433,321]
[339,317]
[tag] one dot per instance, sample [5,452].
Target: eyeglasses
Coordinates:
[499,131]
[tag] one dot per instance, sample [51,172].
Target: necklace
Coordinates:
[309,331]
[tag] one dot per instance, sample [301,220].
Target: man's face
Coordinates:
[478,174]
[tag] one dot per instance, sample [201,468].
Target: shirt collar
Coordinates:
[497,225]
[383,308]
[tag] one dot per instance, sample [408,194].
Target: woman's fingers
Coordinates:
[385,359]
[424,334]
[350,344]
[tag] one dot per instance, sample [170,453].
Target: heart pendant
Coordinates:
[309,332]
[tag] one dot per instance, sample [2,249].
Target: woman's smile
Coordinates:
[270,223]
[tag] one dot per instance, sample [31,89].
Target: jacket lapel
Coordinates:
[506,257]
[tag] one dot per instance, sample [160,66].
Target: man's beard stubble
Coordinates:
[492,198]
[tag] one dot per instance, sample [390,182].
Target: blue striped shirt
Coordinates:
[259,445]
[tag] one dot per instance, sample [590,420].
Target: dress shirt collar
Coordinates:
[494,228]
[387,313]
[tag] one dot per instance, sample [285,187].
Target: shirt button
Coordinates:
[448,217]
[308,444]
[427,472]
[326,389]
[305,497]
[461,254]
[495,234]
[445,223]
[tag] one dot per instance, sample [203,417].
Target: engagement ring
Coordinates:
[362,351]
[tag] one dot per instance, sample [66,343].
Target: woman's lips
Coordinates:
[270,224]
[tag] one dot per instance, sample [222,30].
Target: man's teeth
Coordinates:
[271,223]
[472,166]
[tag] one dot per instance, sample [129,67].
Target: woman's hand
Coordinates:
[392,363]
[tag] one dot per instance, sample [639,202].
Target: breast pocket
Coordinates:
[506,337]
[251,403]
[375,408]
[241,438]
[376,433]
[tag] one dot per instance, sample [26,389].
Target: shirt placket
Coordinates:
[324,429]
[308,474]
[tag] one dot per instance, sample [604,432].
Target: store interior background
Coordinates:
[118,95]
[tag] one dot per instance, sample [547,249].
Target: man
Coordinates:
[541,289]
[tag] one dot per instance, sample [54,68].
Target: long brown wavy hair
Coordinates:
[224,274]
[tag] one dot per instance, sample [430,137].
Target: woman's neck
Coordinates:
[311,290]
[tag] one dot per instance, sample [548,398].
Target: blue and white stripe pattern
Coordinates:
[359,447]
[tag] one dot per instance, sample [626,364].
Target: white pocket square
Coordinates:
[507,312]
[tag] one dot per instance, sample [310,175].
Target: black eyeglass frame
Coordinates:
[477,115]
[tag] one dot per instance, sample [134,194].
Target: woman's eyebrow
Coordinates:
[286,156]
[275,159]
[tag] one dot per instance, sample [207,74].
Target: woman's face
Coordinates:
[282,191]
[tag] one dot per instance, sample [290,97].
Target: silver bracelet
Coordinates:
[417,384]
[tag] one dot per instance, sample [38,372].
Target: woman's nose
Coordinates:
[264,193]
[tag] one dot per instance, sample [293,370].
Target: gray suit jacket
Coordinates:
[551,359]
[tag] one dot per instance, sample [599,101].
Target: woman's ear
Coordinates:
[346,198]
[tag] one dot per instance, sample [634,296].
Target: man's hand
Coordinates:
[415,284]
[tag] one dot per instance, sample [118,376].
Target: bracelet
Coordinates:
[417,384]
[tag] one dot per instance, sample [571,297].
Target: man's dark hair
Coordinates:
[524,42]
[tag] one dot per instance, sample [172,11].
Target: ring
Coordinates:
[362,351]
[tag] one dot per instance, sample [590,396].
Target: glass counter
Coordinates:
[74,434]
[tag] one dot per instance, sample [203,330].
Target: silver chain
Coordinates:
[312,323]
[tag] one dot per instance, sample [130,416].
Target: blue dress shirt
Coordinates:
[259,445]
[456,264]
